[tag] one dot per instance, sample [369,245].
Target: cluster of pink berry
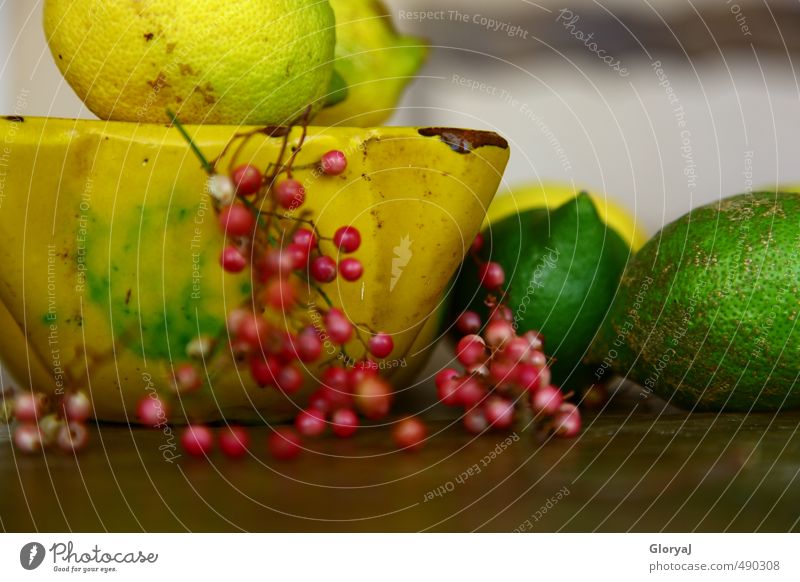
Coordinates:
[342,393]
[265,229]
[242,220]
[506,376]
[40,425]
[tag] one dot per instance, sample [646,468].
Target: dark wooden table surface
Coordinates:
[633,469]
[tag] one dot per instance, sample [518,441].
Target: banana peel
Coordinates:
[110,252]
[374,64]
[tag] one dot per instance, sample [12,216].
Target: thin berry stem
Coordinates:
[207,166]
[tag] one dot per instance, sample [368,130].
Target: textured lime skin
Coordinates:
[562,270]
[707,313]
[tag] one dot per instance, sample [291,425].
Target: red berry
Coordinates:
[360,371]
[29,406]
[468,322]
[567,422]
[475,421]
[197,440]
[276,263]
[447,392]
[284,444]
[152,411]
[410,434]
[77,406]
[334,163]
[305,238]
[27,437]
[502,372]
[235,318]
[547,400]
[499,412]
[351,269]
[381,345]
[344,423]
[339,329]
[498,332]
[318,400]
[72,437]
[336,378]
[471,350]
[232,260]
[310,422]
[234,442]
[247,179]
[373,397]
[323,269]
[252,329]
[236,220]
[336,399]
[336,388]
[308,346]
[531,377]
[492,275]
[187,379]
[444,376]
[281,295]
[282,345]
[289,379]
[298,255]
[536,358]
[347,239]
[516,350]
[265,370]
[290,194]
[502,312]
[471,392]
[534,339]
[477,243]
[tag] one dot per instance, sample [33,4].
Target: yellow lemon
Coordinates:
[373,61]
[553,195]
[212,61]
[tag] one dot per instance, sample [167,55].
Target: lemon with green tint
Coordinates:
[212,61]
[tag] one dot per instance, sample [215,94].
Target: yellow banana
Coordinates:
[110,250]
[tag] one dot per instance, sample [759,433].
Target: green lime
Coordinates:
[562,268]
[706,315]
